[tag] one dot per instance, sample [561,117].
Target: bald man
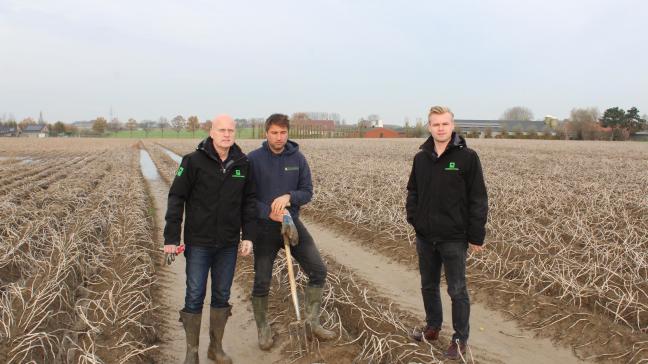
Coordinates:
[214,188]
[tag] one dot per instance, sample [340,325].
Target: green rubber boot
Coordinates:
[260,307]
[313,308]
[191,324]
[217,320]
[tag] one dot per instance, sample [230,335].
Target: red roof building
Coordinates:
[381,133]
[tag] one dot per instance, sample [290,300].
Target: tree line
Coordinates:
[614,123]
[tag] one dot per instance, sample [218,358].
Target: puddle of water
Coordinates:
[148,167]
[23,160]
[173,156]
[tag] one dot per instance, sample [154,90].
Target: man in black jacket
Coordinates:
[447,205]
[215,190]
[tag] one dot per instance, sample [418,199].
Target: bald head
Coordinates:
[223,131]
[222,118]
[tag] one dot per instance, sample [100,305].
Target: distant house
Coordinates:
[497,126]
[35,131]
[377,124]
[8,131]
[381,133]
[83,124]
[641,136]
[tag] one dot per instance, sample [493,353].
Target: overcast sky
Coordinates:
[75,59]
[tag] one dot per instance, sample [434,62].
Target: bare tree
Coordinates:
[99,125]
[206,126]
[131,125]
[26,121]
[147,125]
[420,129]
[193,124]
[162,124]
[178,123]
[519,113]
[299,122]
[583,122]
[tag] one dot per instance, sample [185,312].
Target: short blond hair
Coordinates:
[439,110]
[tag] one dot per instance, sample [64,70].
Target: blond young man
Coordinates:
[447,204]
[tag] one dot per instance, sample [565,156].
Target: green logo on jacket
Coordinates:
[237,174]
[451,167]
[179,172]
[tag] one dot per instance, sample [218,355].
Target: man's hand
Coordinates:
[280,203]
[170,249]
[246,248]
[278,217]
[474,248]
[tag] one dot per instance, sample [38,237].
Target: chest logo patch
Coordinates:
[451,167]
[291,168]
[237,174]
[180,171]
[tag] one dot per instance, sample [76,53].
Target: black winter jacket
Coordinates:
[446,196]
[218,199]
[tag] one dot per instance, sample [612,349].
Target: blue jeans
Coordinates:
[452,256]
[200,260]
[270,241]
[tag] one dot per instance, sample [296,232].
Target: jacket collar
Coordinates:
[207,146]
[456,141]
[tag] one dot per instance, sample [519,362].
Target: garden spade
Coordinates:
[296,329]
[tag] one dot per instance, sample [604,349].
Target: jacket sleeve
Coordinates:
[178,195]
[304,192]
[411,202]
[249,208]
[477,203]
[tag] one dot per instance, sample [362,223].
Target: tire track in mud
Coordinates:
[500,340]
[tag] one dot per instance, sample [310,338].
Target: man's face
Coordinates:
[222,132]
[441,127]
[277,137]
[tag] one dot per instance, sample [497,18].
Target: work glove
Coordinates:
[289,230]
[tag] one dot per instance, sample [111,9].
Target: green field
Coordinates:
[242,133]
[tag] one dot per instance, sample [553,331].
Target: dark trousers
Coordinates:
[200,260]
[452,256]
[269,241]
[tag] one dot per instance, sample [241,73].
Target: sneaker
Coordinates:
[456,350]
[430,333]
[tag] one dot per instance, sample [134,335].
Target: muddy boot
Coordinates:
[456,350]
[217,320]
[191,324]
[313,307]
[260,307]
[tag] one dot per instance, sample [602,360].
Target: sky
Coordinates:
[74,60]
